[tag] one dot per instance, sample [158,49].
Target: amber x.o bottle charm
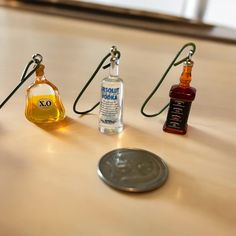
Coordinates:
[43,103]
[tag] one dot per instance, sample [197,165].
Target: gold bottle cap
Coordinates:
[40,70]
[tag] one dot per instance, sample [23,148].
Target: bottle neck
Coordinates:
[40,78]
[114,69]
[40,73]
[186,76]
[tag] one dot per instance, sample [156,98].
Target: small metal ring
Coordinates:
[115,54]
[37,58]
[113,49]
[190,54]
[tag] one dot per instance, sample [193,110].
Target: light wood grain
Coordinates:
[48,180]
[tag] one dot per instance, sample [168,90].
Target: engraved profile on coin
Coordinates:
[133,170]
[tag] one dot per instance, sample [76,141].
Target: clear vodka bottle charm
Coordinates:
[111,102]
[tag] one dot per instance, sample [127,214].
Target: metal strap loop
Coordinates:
[173,63]
[36,60]
[114,53]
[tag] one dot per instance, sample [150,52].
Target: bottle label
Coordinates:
[45,104]
[110,105]
[178,114]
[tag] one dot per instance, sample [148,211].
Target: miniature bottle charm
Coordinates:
[181,97]
[43,103]
[111,102]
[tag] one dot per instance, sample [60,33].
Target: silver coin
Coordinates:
[132,170]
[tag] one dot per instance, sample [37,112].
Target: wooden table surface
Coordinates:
[48,180]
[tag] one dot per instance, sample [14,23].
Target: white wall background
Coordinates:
[221,13]
[216,12]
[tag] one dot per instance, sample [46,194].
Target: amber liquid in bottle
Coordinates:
[43,103]
[181,97]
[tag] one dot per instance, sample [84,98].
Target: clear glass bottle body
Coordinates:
[43,103]
[111,104]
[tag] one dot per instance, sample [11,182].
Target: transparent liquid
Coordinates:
[111,106]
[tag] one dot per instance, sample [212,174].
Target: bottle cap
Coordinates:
[40,70]
[132,170]
[188,62]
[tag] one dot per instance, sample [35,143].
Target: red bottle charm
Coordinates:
[181,97]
